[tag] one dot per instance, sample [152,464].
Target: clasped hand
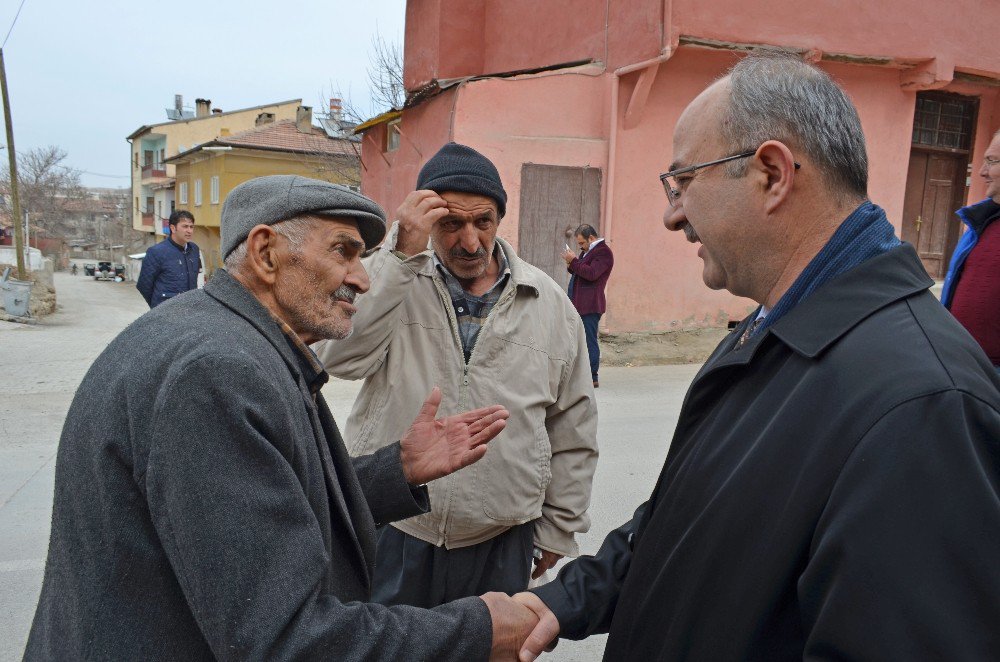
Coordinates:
[523,627]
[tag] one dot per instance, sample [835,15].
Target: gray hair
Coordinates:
[779,97]
[295,230]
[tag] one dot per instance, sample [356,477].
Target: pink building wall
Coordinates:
[577,117]
[452,38]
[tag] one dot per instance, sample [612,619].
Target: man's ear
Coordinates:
[777,165]
[263,253]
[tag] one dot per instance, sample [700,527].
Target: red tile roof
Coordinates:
[284,136]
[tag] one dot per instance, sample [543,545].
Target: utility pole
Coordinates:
[22,273]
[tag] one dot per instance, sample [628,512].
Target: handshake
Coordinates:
[523,627]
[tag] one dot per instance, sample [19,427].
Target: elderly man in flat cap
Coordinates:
[451,304]
[205,504]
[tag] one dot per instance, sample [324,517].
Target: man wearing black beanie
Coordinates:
[452,305]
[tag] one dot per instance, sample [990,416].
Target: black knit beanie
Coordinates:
[459,168]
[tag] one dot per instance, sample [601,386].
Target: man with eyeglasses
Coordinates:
[972,287]
[832,490]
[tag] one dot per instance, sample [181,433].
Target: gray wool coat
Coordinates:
[205,507]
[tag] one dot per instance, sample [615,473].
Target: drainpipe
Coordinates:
[613,139]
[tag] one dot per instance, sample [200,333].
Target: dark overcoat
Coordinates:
[205,507]
[832,492]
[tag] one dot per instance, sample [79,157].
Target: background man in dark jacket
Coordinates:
[205,504]
[590,272]
[171,267]
[972,288]
[832,490]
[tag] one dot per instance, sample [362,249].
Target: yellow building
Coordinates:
[153,194]
[207,173]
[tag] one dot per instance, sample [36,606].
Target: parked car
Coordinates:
[89,269]
[108,271]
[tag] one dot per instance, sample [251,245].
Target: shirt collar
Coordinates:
[312,368]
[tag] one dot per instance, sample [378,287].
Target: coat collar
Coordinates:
[342,484]
[186,247]
[834,309]
[979,215]
[228,291]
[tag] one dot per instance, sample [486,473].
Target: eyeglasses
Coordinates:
[674,187]
[990,162]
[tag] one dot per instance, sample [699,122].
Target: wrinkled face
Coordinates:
[464,239]
[182,232]
[582,242]
[713,208]
[316,285]
[991,170]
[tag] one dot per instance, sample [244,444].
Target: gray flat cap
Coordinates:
[267,200]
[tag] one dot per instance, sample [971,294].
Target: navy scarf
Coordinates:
[863,235]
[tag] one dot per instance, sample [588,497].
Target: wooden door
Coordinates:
[935,188]
[555,200]
[937,179]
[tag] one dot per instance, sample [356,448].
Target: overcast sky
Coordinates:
[82,75]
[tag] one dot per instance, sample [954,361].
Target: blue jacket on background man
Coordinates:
[168,270]
[976,217]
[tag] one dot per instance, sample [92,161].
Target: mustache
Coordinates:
[690,234]
[460,252]
[345,293]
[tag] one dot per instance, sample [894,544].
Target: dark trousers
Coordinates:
[590,321]
[409,571]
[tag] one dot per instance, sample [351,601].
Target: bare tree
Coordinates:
[49,190]
[385,92]
[385,84]
[385,75]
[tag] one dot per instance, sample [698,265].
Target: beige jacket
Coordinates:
[531,357]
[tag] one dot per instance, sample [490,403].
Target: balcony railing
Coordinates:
[147,220]
[154,170]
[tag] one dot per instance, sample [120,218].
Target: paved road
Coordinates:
[43,365]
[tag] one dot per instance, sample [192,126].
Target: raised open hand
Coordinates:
[432,448]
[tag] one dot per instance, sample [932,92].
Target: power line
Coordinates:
[95,174]
[14,22]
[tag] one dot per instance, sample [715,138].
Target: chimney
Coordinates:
[216,111]
[336,109]
[304,119]
[264,118]
[179,103]
[201,107]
